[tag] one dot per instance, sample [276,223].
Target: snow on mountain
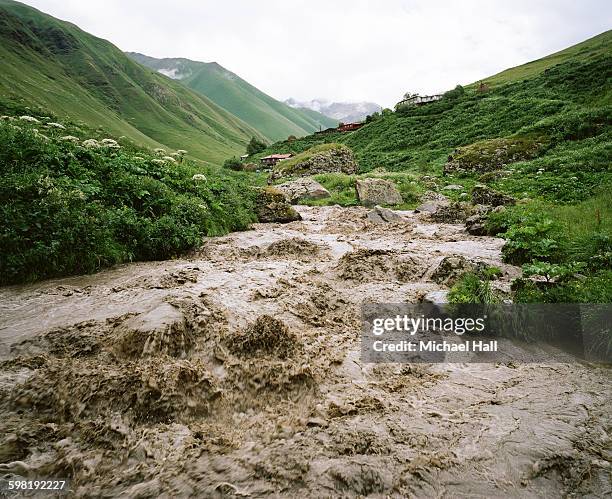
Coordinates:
[345,112]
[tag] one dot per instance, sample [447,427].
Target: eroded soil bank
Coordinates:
[236,372]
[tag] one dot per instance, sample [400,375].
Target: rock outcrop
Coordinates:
[450,269]
[476,223]
[452,213]
[338,159]
[373,191]
[493,154]
[302,189]
[271,205]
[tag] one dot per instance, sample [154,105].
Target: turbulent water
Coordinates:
[236,372]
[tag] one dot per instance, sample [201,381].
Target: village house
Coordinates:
[272,159]
[418,100]
[349,127]
[343,127]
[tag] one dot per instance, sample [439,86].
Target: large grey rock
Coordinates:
[271,205]
[339,159]
[432,202]
[448,270]
[451,213]
[383,215]
[302,189]
[437,297]
[476,224]
[453,187]
[373,191]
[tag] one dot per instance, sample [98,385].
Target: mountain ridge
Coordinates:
[272,118]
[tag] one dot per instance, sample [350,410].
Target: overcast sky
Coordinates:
[343,50]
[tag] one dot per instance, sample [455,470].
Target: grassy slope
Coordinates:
[591,48]
[272,118]
[52,64]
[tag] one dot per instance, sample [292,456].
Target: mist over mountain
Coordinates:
[345,112]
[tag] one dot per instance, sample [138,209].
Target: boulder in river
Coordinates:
[432,202]
[271,205]
[476,223]
[302,189]
[373,191]
[383,215]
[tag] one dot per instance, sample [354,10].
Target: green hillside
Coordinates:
[542,134]
[53,66]
[572,97]
[589,49]
[272,118]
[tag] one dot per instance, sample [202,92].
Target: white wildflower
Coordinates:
[110,143]
[70,138]
[169,159]
[199,177]
[138,158]
[158,161]
[91,143]
[159,151]
[31,119]
[181,152]
[56,125]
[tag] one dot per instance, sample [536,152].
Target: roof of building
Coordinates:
[277,156]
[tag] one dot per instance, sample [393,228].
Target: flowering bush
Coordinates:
[67,209]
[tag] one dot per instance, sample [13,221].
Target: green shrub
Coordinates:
[66,209]
[474,287]
[233,164]
[255,146]
[593,288]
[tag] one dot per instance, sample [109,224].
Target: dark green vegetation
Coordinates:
[71,206]
[254,146]
[541,133]
[273,119]
[475,287]
[56,68]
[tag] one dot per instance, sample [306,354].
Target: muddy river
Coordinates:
[235,372]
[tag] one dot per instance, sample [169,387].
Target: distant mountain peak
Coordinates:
[346,112]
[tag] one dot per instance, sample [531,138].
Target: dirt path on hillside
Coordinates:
[236,372]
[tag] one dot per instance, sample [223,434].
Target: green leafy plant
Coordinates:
[530,241]
[553,271]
